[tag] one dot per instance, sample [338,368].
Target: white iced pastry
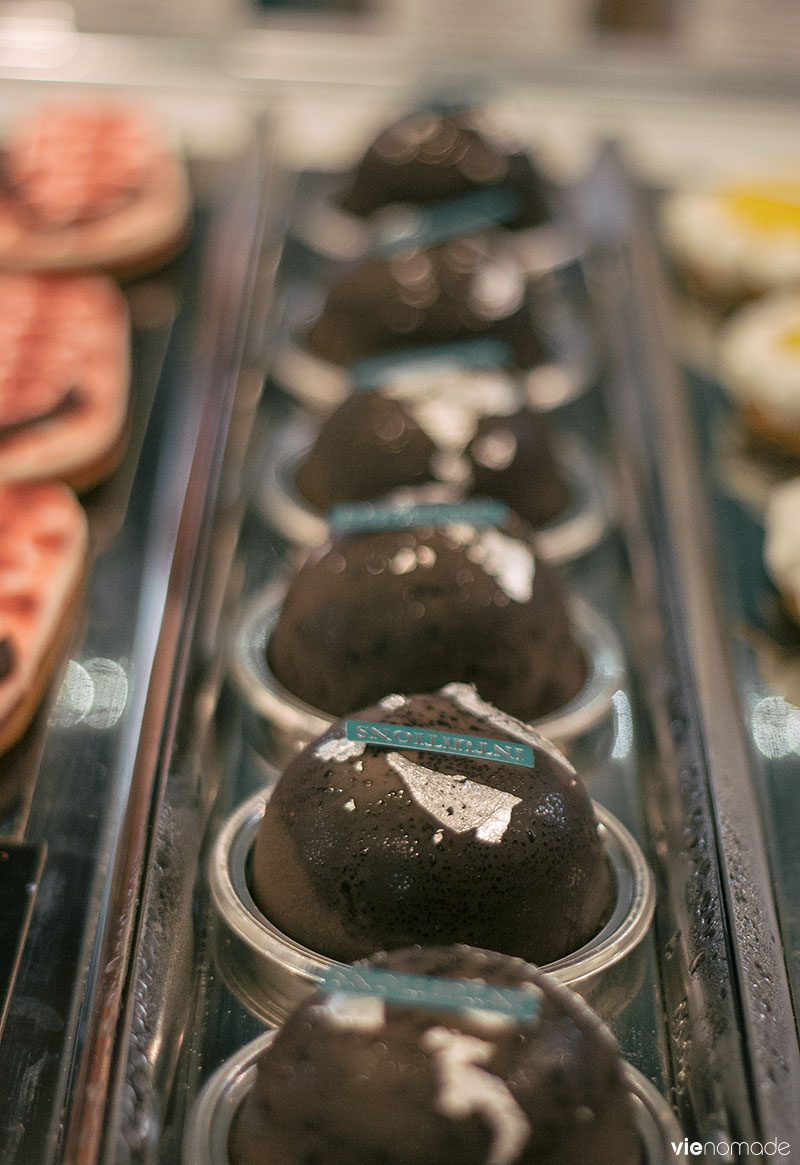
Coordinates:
[737,238]
[758,363]
[782,543]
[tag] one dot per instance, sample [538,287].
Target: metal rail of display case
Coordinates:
[725,978]
[96,789]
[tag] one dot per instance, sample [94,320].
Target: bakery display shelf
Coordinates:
[728,968]
[763,644]
[708,1020]
[81,789]
[739,473]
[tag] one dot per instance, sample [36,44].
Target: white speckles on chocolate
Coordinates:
[466,1087]
[448,409]
[450,467]
[484,609]
[496,450]
[339,749]
[551,808]
[448,427]
[394,701]
[365,1013]
[408,558]
[404,561]
[461,533]
[497,290]
[466,697]
[507,560]
[490,1022]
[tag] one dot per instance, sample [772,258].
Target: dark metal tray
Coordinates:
[734,1042]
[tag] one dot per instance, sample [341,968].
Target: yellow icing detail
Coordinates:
[773,206]
[790,340]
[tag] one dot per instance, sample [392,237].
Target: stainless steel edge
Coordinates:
[214,368]
[724,977]
[160,993]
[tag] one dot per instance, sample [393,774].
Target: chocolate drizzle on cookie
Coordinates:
[71,401]
[8,657]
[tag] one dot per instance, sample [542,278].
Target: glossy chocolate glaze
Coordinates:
[364,847]
[411,610]
[464,288]
[471,435]
[354,1089]
[432,157]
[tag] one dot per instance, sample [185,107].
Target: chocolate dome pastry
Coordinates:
[470,433]
[469,287]
[432,157]
[444,1055]
[375,836]
[411,609]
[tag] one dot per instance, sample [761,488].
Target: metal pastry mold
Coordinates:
[270,973]
[209,1126]
[319,385]
[586,520]
[281,723]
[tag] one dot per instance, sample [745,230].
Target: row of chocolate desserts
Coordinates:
[735,241]
[410,654]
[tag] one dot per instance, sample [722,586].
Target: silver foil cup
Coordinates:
[280,724]
[320,385]
[270,973]
[582,526]
[209,1126]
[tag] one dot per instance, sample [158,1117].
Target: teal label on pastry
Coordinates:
[436,993]
[360,517]
[407,226]
[472,353]
[405,736]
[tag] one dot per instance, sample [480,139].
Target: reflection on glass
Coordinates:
[623,726]
[776,727]
[93,693]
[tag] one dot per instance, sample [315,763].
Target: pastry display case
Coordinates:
[139,978]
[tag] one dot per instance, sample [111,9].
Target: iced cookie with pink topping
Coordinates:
[90,185]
